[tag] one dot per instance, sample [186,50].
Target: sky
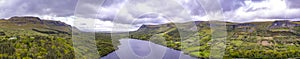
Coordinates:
[128,15]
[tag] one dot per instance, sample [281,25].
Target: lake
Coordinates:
[139,49]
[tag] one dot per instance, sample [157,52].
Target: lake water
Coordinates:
[138,49]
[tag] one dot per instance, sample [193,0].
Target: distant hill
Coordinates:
[33,25]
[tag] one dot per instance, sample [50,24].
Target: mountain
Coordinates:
[284,23]
[33,25]
[31,37]
[277,39]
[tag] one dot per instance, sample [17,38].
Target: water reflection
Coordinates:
[138,49]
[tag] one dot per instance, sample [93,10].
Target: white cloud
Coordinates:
[10,8]
[171,10]
[92,24]
[265,11]
[2,1]
[67,19]
[200,18]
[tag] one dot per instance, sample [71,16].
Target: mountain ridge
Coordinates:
[22,19]
[34,25]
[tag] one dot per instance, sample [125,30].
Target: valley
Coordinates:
[32,38]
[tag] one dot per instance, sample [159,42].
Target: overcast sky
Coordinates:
[132,13]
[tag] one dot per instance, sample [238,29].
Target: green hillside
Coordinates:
[278,39]
[33,38]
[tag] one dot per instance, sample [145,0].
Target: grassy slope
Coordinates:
[30,37]
[257,41]
[19,40]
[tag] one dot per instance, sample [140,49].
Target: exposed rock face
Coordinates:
[35,24]
[55,23]
[35,20]
[150,26]
[244,26]
[266,43]
[283,24]
[25,19]
[2,34]
[156,26]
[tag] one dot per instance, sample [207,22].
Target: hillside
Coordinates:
[32,37]
[33,26]
[278,39]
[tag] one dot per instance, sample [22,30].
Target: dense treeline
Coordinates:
[36,47]
[104,44]
[46,46]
